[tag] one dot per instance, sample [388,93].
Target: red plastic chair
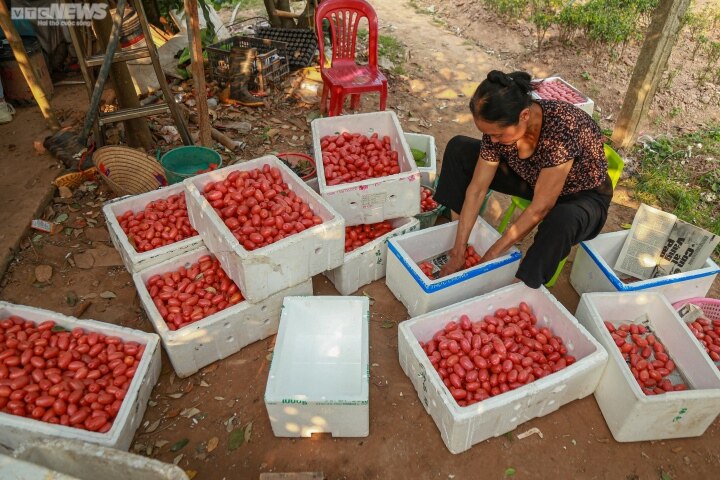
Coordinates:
[345,76]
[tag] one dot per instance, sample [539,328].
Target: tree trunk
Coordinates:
[651,63]
[198,71]
[136,129]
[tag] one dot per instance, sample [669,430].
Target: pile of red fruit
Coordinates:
[72,378]
[160,223]
[646,357]
[358,235]
[471,259]
[211,167]
[708,332]
[557,90]
[501,352]
[191,294]
[258,207]
[427,202]
[352,157]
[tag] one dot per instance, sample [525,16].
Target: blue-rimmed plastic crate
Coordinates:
[421,294]
[592,272]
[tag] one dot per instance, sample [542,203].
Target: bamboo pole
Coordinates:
[26,67]
[198,70]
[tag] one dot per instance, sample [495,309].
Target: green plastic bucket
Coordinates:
[185,162]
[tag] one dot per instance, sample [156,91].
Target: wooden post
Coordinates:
[198,70]
[27,67]
[137,130]
[656,49]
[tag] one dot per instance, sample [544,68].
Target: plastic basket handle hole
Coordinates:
[266,321]
[230,339]
[263,308]
[227,325]
[353,204]
[318,250]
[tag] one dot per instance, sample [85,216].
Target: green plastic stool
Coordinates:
[615,168]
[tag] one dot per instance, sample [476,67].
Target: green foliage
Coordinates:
[664,176]
[508,9]
[543,14]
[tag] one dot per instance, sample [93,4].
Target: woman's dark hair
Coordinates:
[501,97]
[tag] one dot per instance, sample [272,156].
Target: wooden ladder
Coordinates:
[88,62]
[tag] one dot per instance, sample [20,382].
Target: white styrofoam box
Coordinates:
[91,462]
[419,293]
[425,143]
[367,263]
[262,272]
[133,260]
[587,106]
[14,469]
[375,199]
[320,373]
[15,430]
[463,427]
[219,335]
[630,414]
[592,272]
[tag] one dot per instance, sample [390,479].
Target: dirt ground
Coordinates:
[404,441]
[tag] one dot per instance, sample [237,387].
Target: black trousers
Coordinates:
[574,218]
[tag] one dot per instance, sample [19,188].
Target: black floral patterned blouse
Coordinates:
[567,133]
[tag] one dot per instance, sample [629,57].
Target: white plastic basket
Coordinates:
[15,430]
[587,105]
[425,143]
[367,263]
[262,272]
[463,427]
[135,261]
[375,199]
[592,272]
[216,336]
[631,415]
[420,294]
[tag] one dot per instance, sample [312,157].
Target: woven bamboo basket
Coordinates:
[128,171]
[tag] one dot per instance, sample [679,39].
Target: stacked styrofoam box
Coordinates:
[425,143]
[630,414]
[15,430]
[219,335]
[587,106]
[320,373]
[90,462]
[367,263]
[133,260]
[375,199]
[262,272]
[421,294]
[463,427]
[592,271]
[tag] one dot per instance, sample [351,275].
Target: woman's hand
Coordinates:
[455,262]
[491,254]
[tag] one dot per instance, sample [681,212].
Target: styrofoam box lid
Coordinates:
[37,315]
[680,344]
[118,206]
[196,185]
[549,313]
[414,247]
[382,123]
[605,250]
[321,352]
